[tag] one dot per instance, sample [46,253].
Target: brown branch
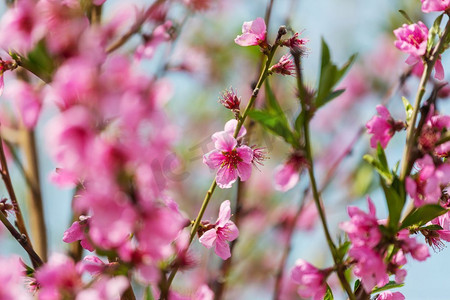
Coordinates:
[23,241]
[34,196]
[134,29]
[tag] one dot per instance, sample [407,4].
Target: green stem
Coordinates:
[340,268]
[407,161]
[210,192]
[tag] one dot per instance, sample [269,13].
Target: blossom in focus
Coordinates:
[230,100]
[362,229]
[253,33]
[285,66]
[435,5]
[295,43]
[311,280]
[229,159]
[383,127]
[288,174]
[412,39]
[224,230]
[388,295]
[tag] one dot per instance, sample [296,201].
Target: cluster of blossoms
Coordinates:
[110,140]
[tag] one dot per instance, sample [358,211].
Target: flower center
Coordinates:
[231,158]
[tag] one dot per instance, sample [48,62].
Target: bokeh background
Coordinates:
[201,63]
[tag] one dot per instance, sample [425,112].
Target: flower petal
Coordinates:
[226,176]
[208,239]
[224,214]
[222,249]
[224,141]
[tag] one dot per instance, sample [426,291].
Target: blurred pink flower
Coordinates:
[230,160]
[253,33]
[224,230]
[287,175]
[58,277]
[105,288]
[12,275]
[310,279]
[435,5]
[362,229]
[370,267]
[27,101]
[382,127]
[21,27]
[158,36]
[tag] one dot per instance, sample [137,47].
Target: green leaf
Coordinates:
[275,123]
[343,249]
[272,104]
[405,15]
[434,31]
[382,157]
[423,215]
[148,293]
[330,75]
[388,286]
[385,173]
[39,62]
[329,294]
[356,285]
[395,202]
[408,109]
[298,125]
[363,179]
[431,227]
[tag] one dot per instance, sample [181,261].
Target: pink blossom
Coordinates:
[253,33]
[444,222]
[382,127]
[287,175]
[77,232]
[369,267]
[229,159]
[91,264]
[159,35]
[105,289]
[435,5]
[12,275]
[296,43]
[425,188]
[204,293]
[362,229]
[285,66]
[418,67]
[58,277]
[230,100]
[412,39]
[224,230]
[310,279]
[388,295]
[27,101]
[21,27]
[408,244]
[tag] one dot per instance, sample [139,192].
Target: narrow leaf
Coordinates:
[405,15]
[423,215]
[408,109]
